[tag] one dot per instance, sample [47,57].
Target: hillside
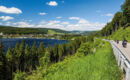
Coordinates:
[16,30]
[101,65]
[120,34]
[83,32]
[119,27]
[95,66]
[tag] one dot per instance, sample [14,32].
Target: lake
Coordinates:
[12,42]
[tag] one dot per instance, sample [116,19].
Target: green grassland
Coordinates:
[98,65]
[52,32]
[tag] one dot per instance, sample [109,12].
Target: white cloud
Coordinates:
[65,23]
[86,26]
[59,17]
[83,21]
[23,24]
[52,3]
[53,22]
[74,18]
[11,10]
[8,23]
[82,24]
[50,24]
[0,23]
[108,15]
[6,18]
[42,13]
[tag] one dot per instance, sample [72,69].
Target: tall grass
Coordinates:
[98,66]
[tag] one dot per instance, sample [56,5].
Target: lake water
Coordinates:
[12,42]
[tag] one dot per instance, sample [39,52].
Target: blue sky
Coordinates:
[62,14]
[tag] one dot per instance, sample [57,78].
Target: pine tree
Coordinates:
[60,51]
[55,51]
[27,58]
[44,61]
[41,50]
[21,55]
[17,56]
[10,58]
[3,64]
[34,55]
[50,50]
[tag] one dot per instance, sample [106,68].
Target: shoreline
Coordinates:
[34,38]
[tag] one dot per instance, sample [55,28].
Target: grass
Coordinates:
[98,66]
[52,32]
[121,33]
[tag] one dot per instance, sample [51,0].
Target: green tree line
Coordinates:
[16,30]
[121,19]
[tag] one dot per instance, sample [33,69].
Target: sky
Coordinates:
[83,15]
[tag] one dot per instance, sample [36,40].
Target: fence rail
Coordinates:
[122,61]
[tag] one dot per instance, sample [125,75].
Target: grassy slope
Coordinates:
[121,33]
[52,32]
[98,66]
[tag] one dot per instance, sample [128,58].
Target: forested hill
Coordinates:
[120,24]
[16,30]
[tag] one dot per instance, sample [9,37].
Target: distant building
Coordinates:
[1,34]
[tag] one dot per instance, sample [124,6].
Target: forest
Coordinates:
[23,58]
[120,20]
[16,30]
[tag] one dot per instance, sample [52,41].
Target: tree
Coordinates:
[41,50]
[3,64]
[21,55]
[50,50]
[17,56]
[44,61]
[126,10]
[34,56]
[27,58]
[60,51]
[55,51]
[10,58]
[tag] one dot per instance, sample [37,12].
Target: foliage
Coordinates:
[126,10]
[20,76]
[120,34]
[92,67]
[15,30]
[120,21]
[24,58]
[3,65]
[95,66]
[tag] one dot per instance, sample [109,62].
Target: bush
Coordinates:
[20,76]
